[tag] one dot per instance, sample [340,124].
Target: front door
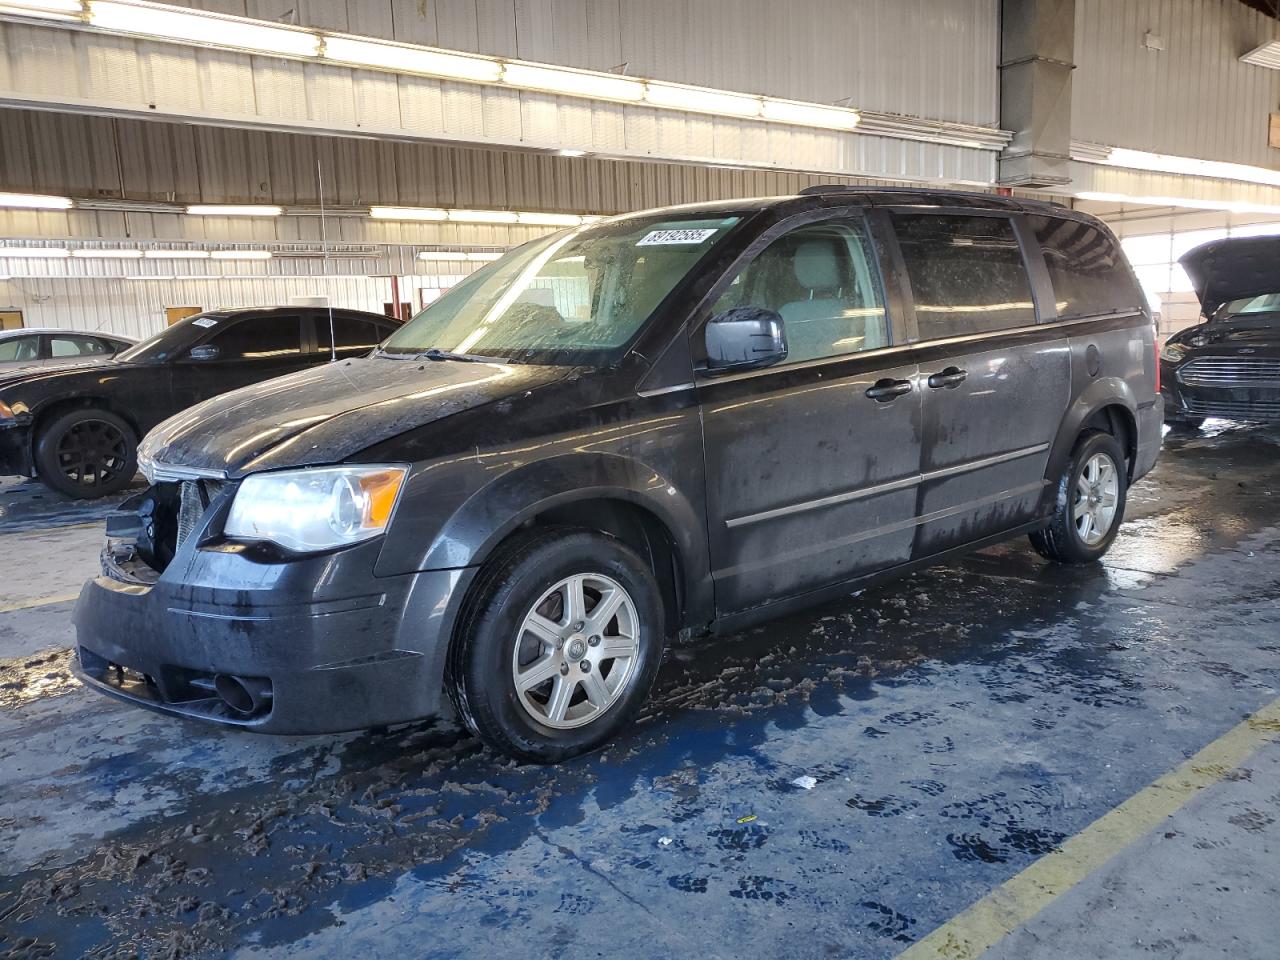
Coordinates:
[811,464]
[239,352]
[993,384]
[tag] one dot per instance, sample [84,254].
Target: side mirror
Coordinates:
[205,351]
[745,338]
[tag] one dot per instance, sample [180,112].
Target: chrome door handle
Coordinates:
[949,378]
[888,389]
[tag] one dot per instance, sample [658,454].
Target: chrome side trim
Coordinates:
[659,391]
[892,485]
[880,531]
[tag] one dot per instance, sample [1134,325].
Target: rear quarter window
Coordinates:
[1088,272]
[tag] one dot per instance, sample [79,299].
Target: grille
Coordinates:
[195,497]
[1231,372]
[1234,409]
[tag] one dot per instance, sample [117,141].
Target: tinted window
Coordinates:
[258,338]
[822,280]
[351,333]
[1087,270]
[17,349]
[61,346]
[967,274]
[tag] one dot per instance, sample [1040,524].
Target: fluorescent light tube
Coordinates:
[166,23]
[1193,166]
[409,59]
[809,114]
[1235,206]
[176,254]
[574,83]
[242,255]
[33,253]
[234,210]
[482,216]
[34,201]
[549,219]
[476,257]
[408,213]
[1267,55]
[107,254]
[675,96]
[44,9]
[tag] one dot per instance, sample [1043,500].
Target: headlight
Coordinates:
[1173,352]
[316,509]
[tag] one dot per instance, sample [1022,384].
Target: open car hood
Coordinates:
[1232,269]
[326,414]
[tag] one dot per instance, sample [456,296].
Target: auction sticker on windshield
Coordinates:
[657,238]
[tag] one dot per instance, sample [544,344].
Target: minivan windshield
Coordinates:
[575,297]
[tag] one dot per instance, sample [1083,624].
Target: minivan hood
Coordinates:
[326,414]
[1232,269]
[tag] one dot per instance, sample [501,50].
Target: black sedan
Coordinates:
[1228,365]
[77,428]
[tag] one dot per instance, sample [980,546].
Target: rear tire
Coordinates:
[539,669]
[87,453]
[1090,502]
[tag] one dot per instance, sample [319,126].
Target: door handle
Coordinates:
[887,389]
[950,378]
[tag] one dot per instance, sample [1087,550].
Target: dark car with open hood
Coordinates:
[1228,365]
[644,429]
[77,426]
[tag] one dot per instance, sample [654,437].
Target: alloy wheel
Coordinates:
[92,453]
[1096,497]
[577,649]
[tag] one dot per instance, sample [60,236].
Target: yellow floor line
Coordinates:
[970,934]
[38,602]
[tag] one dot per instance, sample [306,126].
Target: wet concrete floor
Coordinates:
[957,726]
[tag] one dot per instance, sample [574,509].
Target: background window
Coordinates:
[61,346]
[822,280]
[967,274]
[350,333]
[1086,268]
[19,348]
[260,338]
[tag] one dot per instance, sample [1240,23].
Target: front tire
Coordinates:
[559,645]
[1090,502]
[87,453]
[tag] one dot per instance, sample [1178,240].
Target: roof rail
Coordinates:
[828,189]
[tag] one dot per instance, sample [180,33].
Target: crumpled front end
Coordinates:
[186,622]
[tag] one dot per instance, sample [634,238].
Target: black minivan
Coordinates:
[655,426]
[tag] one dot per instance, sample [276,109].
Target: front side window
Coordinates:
[967,274]
[18,349]
[574,297]
[1086,268]
[259,338]
[822,280]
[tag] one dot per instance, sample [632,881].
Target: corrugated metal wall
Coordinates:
[933,58]
[99,157]
[1194,98]
[135,308]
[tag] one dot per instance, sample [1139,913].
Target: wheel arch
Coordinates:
[1107,404]
[45,414]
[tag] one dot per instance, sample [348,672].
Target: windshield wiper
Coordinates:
[435,353]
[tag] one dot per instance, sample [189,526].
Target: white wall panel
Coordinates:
[1194,98]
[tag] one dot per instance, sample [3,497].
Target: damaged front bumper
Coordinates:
[240,635]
